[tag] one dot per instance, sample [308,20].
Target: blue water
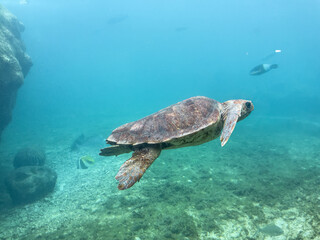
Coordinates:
[100,64]
[82,62]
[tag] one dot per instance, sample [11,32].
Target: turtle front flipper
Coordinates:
[232,111]
[132,170]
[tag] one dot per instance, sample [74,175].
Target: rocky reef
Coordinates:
[29,183]
[14,63]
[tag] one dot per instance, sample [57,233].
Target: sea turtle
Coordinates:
[188,123]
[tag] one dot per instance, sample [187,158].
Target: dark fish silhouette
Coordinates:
[263,68]
[271,230]
[117,19]
[77,142]
[181,29]
[85,141]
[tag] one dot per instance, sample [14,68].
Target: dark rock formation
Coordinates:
[29,157]
[14,64]
[27,184]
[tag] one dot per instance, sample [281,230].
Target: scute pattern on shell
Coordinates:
[175,121]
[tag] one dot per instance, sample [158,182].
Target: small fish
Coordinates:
[271,230]
[263,68]
[272,54]
[84,162]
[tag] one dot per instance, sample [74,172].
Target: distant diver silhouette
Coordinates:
[263,68]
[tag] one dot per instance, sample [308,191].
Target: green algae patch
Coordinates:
[202,192]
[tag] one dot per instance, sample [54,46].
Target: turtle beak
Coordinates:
[252,106]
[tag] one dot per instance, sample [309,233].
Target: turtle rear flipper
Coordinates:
[115,150]
[132,170]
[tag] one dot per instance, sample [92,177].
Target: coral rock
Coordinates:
[27,184]
[14,64]
[29,157]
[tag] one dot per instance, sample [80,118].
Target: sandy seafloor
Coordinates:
[268,173]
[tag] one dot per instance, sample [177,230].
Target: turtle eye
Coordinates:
[248,104]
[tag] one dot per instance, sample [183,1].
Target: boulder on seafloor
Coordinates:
[27,184]
[14,64]
[29,156]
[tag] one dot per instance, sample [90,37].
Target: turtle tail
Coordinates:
[115,150]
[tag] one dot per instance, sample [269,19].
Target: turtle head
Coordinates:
[233,111]
[246,108]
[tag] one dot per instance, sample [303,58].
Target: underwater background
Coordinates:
[100,64]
